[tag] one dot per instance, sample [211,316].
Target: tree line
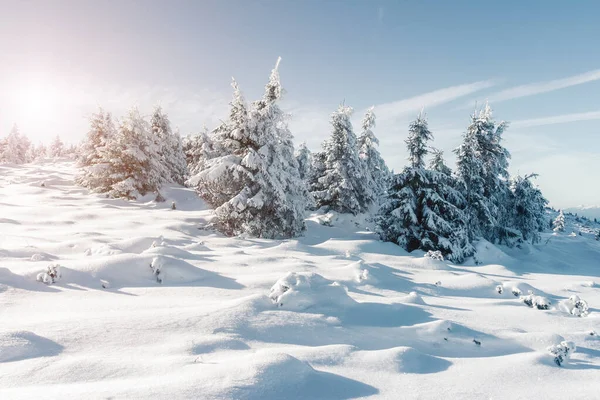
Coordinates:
[248,169]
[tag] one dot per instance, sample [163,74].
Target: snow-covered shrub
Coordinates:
[499,289]
[435,255]
[51,275]
[299,291]
[539,302]
[156,266]
[562,351]
[516,292]
[574,305]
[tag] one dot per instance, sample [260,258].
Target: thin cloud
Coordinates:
[411,105]
[556,119]
[544,87]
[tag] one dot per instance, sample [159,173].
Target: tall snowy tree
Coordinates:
[56,148]
[255,184]
[377,172]
[93,158]
[15,148]
[482,164]
[528,207]
[172,166]
[343,186]
[304,160]
[422,210]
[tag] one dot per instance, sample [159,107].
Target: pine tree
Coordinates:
[482,165]
[15,148]
[93,159]
[56,147]
[198,149]
[377,172]
[528,208]
[422,209]
[304,160]
[558,224]
[172,165]
[343,186]
[254,182]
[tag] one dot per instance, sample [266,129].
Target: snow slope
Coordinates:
[332,315]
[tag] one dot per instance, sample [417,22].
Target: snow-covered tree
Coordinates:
[93,158]
[422,209]
[198,149]
[304,160]
[343,186]
[56,148]
[172,165]
[254,181]
[15,148]
[528,207]
[558,225]
[377,171]
[438,163]
[482,164]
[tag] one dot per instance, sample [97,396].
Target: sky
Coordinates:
[536,62]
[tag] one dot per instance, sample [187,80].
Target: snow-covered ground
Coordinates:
[336,314]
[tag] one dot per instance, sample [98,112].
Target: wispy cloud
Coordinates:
[396,109]
[556,119]
[544,87]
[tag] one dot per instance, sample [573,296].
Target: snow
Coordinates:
[359,317]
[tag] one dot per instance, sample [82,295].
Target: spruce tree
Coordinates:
[558,225]
[304,160]
[422,209]
[376,170]
[482,164]
[342,185]
[173,167]
[529,207]
[57,147]
[254,182]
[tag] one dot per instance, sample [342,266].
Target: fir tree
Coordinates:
[482,165]
[558,225]
[528,208]
[254,182]
[57,147]
[377,171]
[304,160]
[423,209]
[173,167]
[15,148]
[342,186]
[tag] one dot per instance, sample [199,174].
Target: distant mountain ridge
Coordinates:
[586,211]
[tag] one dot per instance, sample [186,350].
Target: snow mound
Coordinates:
[300,291]
[404,360]
[413,298]
[210,344]
[266,375]
[15,346]
[135,270]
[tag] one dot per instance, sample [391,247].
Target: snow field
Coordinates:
[335,314]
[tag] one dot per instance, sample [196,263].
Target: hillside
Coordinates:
[152,304]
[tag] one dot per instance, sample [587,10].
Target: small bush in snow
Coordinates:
[156,266]
[499,289]
[516,292]
[541,303]
[576,306]
[52,274]
[435,255]
[562,352]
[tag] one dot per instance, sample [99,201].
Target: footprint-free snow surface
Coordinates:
[151,303]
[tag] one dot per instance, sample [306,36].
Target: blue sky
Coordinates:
[537,62]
